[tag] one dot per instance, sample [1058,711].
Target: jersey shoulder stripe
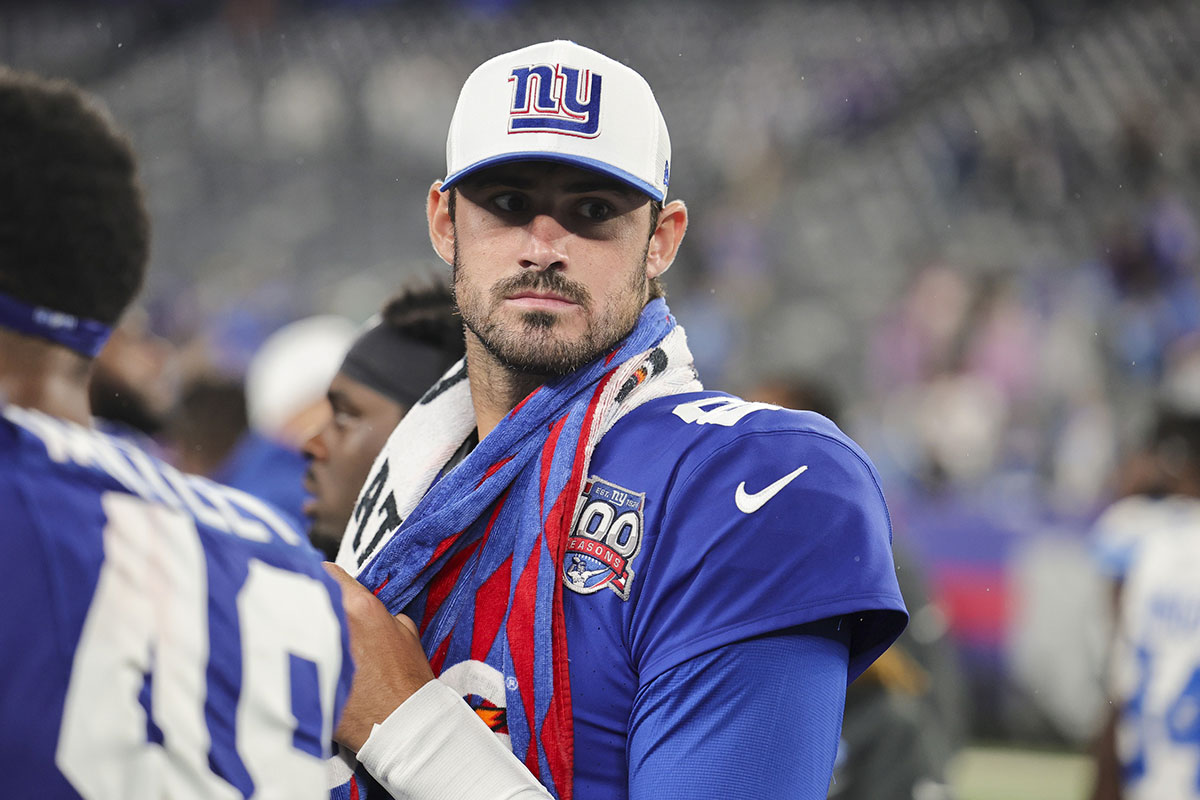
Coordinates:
[43,444]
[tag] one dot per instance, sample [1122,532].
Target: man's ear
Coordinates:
[664,242]
[441,226]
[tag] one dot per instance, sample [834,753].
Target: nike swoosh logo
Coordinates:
[749,503]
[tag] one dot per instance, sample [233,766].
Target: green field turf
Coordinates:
[1002,773]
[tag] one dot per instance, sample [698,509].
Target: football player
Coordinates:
[1148,543]
[160,635]
[400,355]
[640,588]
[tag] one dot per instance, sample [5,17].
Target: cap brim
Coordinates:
[653,192]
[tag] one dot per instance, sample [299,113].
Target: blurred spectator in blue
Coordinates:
[1151,264]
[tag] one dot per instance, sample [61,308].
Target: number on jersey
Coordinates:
[1181,719]
[139,708]
[726,411]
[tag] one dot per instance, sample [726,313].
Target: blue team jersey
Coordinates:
[708,521]
[161,635]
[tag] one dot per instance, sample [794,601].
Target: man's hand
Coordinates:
[389,664]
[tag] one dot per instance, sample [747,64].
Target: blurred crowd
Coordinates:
[974,223]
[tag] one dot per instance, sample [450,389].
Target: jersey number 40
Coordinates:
[156,707]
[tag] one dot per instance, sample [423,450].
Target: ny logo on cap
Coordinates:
[555,99]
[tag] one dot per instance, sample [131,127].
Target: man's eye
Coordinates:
[511,202]
[344,419]
[595,210]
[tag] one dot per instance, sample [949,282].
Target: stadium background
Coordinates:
[976,221]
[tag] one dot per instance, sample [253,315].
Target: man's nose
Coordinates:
[314,448]
[545,243]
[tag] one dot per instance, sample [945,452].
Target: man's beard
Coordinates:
[534,348]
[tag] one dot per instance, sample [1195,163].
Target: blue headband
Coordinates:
[84,336]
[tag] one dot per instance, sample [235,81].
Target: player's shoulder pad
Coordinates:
[1136,514]
[713,413]
[91,457]
[691,427]
[1119,531]
[786,509]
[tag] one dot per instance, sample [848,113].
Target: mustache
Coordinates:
[543,281]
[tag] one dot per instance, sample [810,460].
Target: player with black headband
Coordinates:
[159,634]
[400,355]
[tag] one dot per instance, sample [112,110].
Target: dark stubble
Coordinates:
[533,348]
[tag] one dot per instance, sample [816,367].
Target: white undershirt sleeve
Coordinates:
[434,747]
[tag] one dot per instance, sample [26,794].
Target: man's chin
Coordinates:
[324,538]
[542,351]
[555,364]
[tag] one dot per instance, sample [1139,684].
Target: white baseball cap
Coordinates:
[292,370]
[560,101]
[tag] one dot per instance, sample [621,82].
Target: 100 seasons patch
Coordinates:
[605,540]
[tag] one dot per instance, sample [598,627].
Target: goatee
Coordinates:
[535,348]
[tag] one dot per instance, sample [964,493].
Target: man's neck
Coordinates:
[42,376]
[495,389]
